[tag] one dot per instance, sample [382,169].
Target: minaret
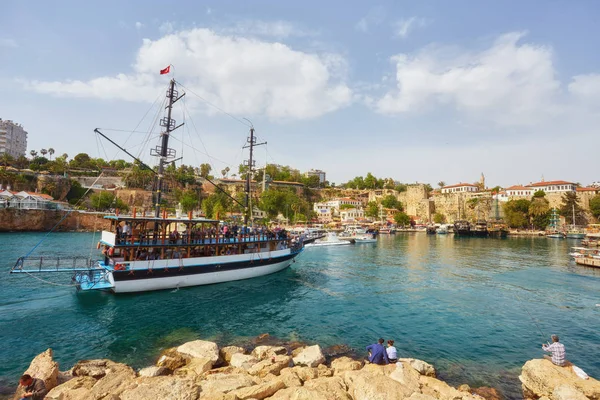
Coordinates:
[482,181]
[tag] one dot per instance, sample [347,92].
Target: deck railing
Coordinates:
[52,264]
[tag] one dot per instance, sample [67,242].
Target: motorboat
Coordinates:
[331,239]
[442,230]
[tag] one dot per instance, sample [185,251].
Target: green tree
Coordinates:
[189,200]
[51,152]
[103,201]
[216,205]
[44,152]
[6,159]
[539,211]
[390,201]
[76,192]
[570,205]
[372,210]
[441,184]
[539,194]
[401,187]
[402,219]
[439,218]
[33,153]
[516,213]
[595,206]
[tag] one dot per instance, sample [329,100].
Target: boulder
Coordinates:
[298,350]
[333,388]
[45,368]
[244,361]
[226,352]
[407,376]
[172,359]
[196,367]
[342,364]
[441,390]
[119,377]
[310,356]
[162,387]
[421,396]
[200,349]
[74,389]
[260,391]
[369,386]
[225,383]
[299,393]
[154,371]
[323,371]
[567,392]
[539,378]
[270,366]
[264,352]
[421,366]
[303,373]
[290,379]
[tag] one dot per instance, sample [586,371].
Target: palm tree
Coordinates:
[441,184]
[33,153]
[51,152]
[6,159]
[44,152]
[66,156]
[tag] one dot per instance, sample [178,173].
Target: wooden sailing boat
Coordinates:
[144,253]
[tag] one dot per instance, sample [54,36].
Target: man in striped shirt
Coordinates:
[558,351]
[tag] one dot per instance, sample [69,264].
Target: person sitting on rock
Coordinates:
[35,389]
[558,351]
[391,352]
[377,353]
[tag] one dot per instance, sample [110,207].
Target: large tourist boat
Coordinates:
[462,228]
[480,229]
[587,257]
[144,253]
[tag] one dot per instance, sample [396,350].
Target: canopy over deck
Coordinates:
[128,218]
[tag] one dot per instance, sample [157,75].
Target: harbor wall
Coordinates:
[16,220]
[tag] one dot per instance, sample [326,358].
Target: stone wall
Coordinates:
[15,220]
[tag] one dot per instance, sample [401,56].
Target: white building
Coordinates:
[519,191]
[460,188]
[351,214]
[317,172]
[553,186]
[500,196]
[13,139]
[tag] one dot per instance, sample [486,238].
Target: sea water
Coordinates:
[476,308]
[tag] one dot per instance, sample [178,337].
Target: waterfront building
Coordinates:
[28,201]
[460,188]
[13,139]
[317,172]
[519,191]
[553,186]
[351,214]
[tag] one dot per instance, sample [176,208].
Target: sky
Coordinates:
[420,91]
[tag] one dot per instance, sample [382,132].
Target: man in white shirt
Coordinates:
[558,351]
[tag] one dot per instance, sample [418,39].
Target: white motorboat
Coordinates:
[330,240]
[442,230]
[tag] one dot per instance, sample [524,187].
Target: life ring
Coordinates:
[119,267]
[111,251]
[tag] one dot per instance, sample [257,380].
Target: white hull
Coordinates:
[327,244]
[144,268]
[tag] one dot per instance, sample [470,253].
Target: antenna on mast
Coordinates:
[251,163]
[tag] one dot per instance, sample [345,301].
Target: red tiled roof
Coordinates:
[459,185]
[547,183]
[518,187]
[587,189]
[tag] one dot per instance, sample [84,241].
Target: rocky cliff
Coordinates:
[15,220]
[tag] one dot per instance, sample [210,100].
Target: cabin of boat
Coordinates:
[587,257]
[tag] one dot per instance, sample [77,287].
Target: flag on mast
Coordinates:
[166,70]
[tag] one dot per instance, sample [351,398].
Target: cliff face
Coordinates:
[15,220]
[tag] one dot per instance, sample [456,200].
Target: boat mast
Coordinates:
[163,151]
[250,162]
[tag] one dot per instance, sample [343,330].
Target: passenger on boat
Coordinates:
[391,352]
[377,353]
[558,351]
[118,233]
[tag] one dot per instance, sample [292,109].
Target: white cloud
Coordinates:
[586,88]
[139,25]
[240,75]
[510,83]
[375,16]
[6,42]
[403,27]
[166,28]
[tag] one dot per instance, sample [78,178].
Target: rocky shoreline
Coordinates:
[200,370]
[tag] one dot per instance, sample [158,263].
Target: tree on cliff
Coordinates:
[570,202]
[390,201]
[595,206]
[439,218]
[372,210]
[205,170]
[539,211]
[516,213]
[402,219]
[103,201]
[441,184]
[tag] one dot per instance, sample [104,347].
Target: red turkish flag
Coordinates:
[166,70]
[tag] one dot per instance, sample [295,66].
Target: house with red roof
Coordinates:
[460,188]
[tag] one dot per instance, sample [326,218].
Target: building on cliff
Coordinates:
[29,201]
[460,188]
[13,139]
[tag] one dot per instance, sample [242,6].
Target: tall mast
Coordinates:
[163,151]
[250,163]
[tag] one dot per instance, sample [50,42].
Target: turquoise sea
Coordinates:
[469,306]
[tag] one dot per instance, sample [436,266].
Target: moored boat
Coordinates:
[588,257]
[442,230]
[479,229]
[462,228]
[330,240]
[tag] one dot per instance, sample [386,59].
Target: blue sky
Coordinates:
[418,91]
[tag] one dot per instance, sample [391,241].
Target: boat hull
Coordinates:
[143,278]
[575,235]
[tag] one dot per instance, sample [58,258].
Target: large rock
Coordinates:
[74,389]
[407,376]
[224,383]
[323,371]
[421,366]
[299,393]
[244,361]
[310,356]
[303,373]
[196,367]
[162,387]
[200,349]
[260,391]
[42,367]
[270,366]
[150,372]
[343,364]
[172,359]
[369,386]
[119,377]
[540,377]
[333,388]
[567,392]
[441,390]
[264,352]
[226,352]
